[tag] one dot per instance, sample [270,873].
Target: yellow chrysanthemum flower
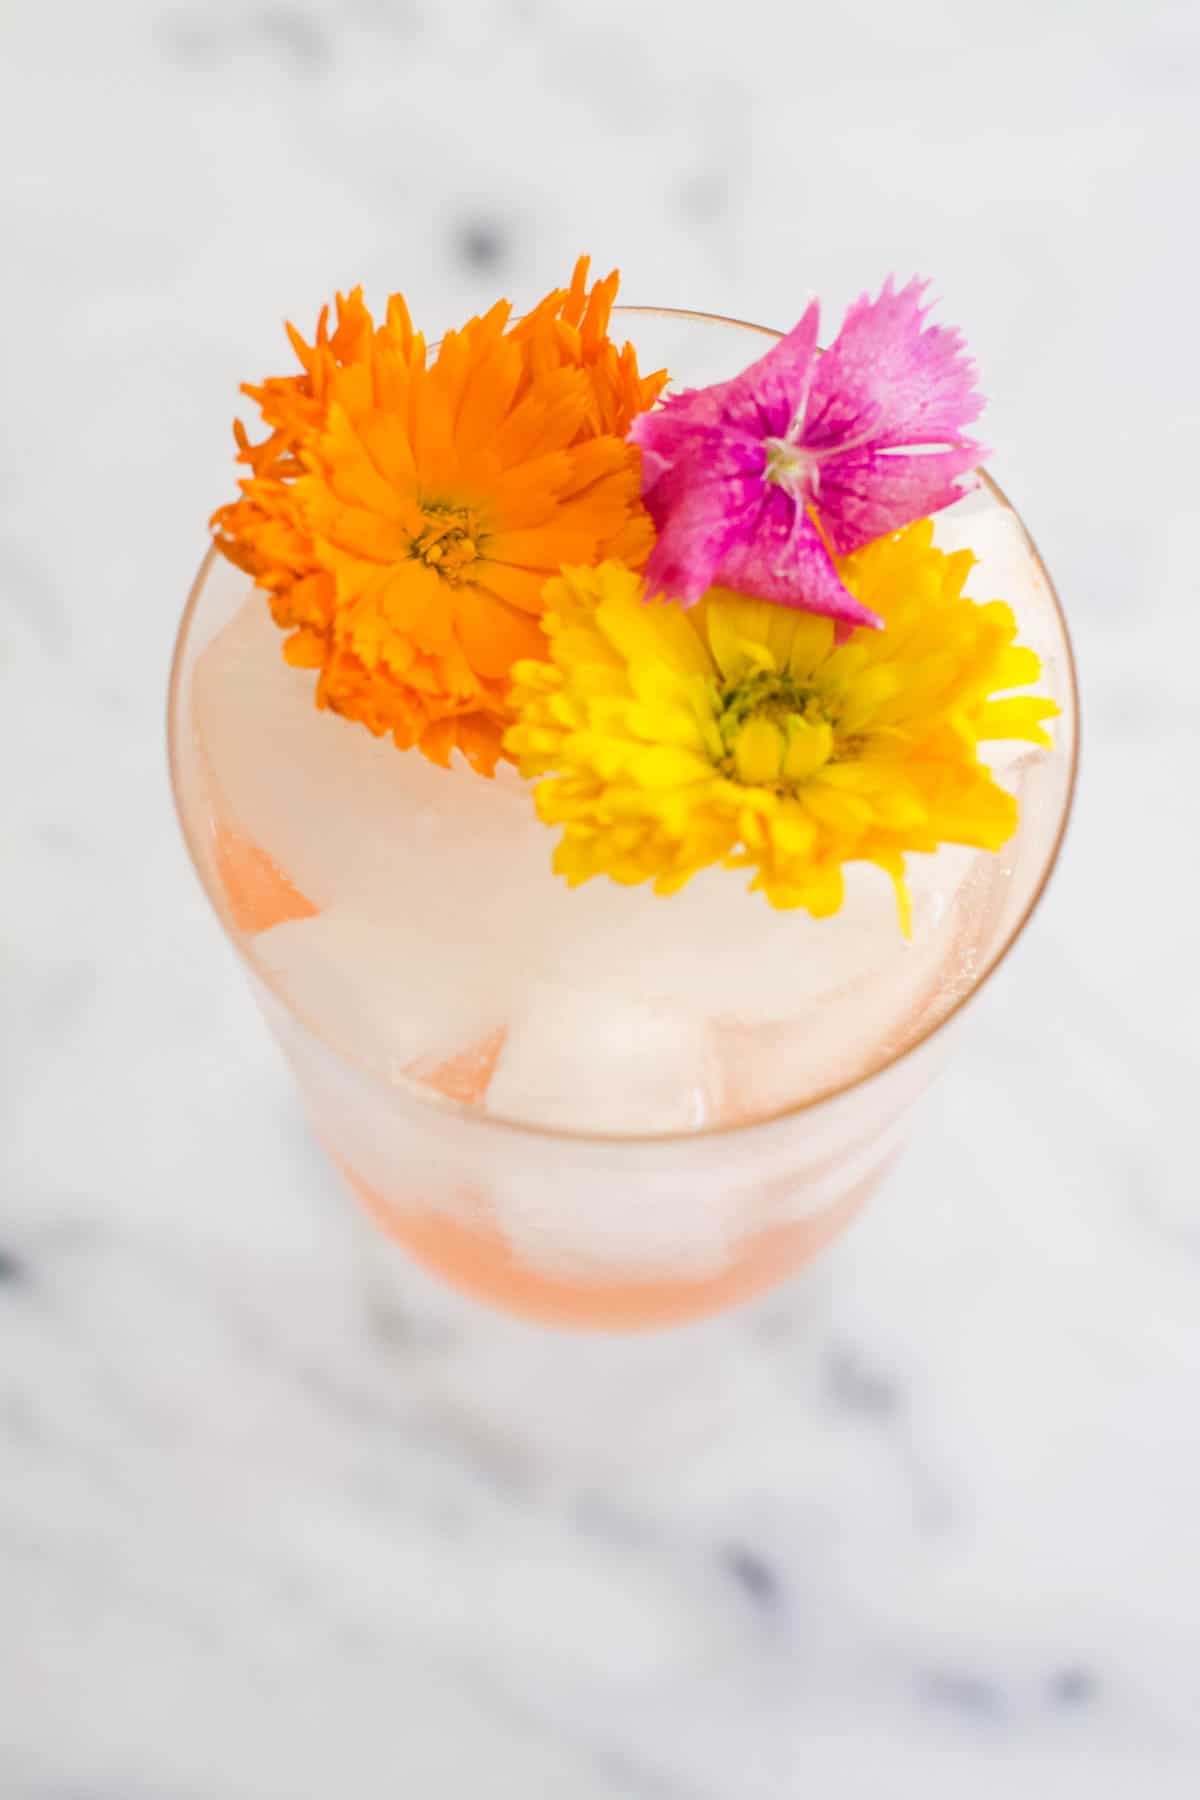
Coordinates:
[742,733]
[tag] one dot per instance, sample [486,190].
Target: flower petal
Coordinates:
[701,506]
[704,457]
[786,562]
[664,740]
[889,378]
[867,494]
[403,514]
[761,402]
[889,383]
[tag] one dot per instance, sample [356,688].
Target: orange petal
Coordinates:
[437,741]
[352,528]
[548,418]
[430,420]
[487,398]
[413,600]
[493,636]
[527,494]
[563,539]
[519,587]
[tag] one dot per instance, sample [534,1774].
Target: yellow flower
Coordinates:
[406,507]
[742,733]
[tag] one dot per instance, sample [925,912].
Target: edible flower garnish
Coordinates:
[760,483]
[406,508]
[743,733]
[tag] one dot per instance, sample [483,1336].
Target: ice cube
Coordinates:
[448,948]
[593,1059]
[406,1003]
[341,814]
[589,1225]
[284,772]
[874,989]
[713,949]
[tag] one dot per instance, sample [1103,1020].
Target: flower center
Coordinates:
[793,469]
[776,733]
[449,540]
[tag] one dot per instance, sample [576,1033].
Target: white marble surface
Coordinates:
[926,1528]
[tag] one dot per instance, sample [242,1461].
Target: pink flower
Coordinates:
[752,483]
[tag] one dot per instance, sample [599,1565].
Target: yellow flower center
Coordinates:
[776,733]
[449,541]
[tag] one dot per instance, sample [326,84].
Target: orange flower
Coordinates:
[404,514]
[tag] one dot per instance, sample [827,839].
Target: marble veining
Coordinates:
[281,1520]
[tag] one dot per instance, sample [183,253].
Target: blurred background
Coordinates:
[928,1526]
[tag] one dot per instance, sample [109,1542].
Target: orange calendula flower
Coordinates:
[406,508]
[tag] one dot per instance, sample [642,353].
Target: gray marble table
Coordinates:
[929,1526]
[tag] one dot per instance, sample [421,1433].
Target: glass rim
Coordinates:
[473,1116]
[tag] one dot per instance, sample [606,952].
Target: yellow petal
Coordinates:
[758,752]
[665,765]
[892,863]
[654,632]
[812,642]
[809,746]
[792,831]
[1018,717]
[728,624]
[840,811]
[865,694]
[665,725]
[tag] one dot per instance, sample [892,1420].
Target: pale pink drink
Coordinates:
[594,1106]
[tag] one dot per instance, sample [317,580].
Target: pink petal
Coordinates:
[866,494]
[888,385]
[888,377]
[699,506]
[784,561]
[762,401]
